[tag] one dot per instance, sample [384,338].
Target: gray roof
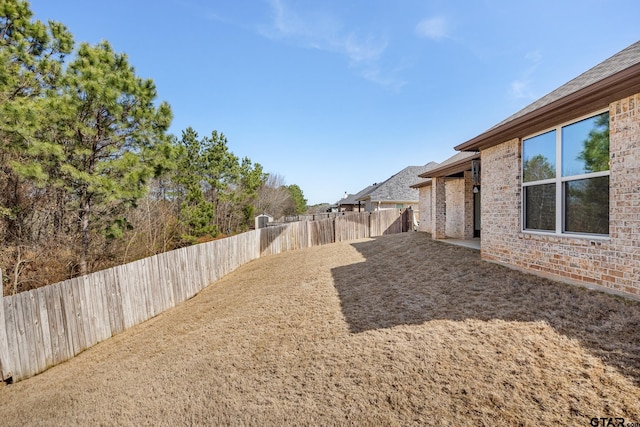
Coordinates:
[618,62]
[398,187]
[352,199]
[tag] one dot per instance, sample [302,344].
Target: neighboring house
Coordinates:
[395,192]
[350,203]
[561,181]
[424,204]
[455,212]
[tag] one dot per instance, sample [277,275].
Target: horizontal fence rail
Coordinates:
[43,327]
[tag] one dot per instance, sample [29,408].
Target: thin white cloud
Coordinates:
[375,75]
[435,28]
[310,29]
[362,50]
[534,56]
[287,23]
[323,31]
[521,88]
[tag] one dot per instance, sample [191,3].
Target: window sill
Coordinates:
[595,239]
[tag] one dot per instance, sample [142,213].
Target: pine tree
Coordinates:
[101,142]
[31,59]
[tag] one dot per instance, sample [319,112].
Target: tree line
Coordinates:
[90,176]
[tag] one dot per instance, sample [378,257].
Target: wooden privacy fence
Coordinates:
[46,326]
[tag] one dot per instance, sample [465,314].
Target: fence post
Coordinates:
[5,369]
[335,231]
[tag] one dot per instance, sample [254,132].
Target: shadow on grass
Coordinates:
[413,279]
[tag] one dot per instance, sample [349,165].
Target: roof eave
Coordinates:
[450,169]
[395,201]
[591,98]
[421,184]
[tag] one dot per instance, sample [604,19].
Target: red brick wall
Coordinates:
[613,263]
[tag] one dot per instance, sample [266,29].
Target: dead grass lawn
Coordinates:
[400,330]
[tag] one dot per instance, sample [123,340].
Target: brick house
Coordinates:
[449,199]
[350,203]
[561,181]
[395,192]
[424,204]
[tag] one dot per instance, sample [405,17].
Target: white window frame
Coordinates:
[559,182]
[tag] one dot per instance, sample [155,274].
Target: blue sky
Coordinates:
[335,95]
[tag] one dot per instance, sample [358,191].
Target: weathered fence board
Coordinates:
[87,294]
[353,227]
[146,285]
[46,326]
[13,356]
[154,286]
[61,347]
[80,301]
[183,278]
[166,272]
[15,312]
[204,266]
[101,316]
[139,307]
[387,221]
[26,362]
[98,319]
[321,232]
[30,327]
[123,295]
[5,371]
[103,289]
[36,325]
[114,301]
[191,263]
[71,324]
[16,348]
[101,281]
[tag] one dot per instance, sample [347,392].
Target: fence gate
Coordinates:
[407,220]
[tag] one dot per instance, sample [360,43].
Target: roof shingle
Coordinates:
[398,187]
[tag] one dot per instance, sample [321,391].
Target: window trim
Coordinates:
[559,182]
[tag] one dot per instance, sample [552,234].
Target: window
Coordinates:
[565,178]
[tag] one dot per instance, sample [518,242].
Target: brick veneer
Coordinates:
[424,209]
[454,189]
[612,263]
[449,202]
[439,208]
[468,206]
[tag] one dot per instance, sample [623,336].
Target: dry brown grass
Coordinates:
[399,330]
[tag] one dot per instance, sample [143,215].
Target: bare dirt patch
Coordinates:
[398,330]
